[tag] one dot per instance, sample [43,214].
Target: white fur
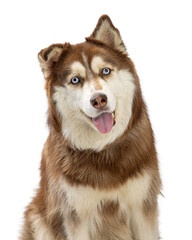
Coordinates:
[86,199]
[86,202]
[40,231]
[88,92]
[73,104]
[81,231]
[97,64]
[78,69]
[143,228]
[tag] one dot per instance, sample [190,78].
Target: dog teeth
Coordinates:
[113,114]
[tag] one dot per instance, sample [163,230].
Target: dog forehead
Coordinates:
[78,68]
[87,65]
[98,63]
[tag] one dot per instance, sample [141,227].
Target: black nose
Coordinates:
[99,101]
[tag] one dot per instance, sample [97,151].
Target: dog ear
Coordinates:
[106,33]
[48,57]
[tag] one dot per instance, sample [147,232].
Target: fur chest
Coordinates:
[97,212]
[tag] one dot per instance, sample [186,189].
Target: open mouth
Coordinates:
[104,122]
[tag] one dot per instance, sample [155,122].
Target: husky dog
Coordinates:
[99,170]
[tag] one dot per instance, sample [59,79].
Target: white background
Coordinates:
[158,38]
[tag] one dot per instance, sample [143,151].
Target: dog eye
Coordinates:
[106,71]
[75,80]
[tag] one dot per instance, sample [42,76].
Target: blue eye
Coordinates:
[106,71]
[75,80]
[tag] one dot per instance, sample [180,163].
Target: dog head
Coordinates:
[92,88]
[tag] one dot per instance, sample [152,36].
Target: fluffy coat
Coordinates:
[95,186]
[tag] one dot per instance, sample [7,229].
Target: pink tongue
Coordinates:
[104,122]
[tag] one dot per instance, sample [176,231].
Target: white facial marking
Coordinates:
[78,69]
[97,64]
[87,93]
[73,105]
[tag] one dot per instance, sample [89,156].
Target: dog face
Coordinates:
[91,86]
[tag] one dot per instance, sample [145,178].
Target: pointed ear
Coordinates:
[48,56]
[106,32]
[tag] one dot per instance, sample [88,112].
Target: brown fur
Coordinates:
[127,157]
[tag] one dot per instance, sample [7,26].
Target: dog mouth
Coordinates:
[104,122]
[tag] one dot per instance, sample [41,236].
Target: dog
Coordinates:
[100,177]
